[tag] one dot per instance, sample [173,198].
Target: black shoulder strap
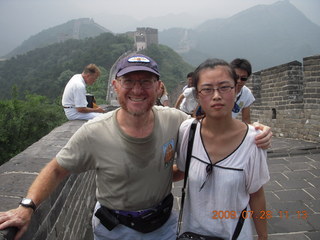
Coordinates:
[240,224]
[186,171]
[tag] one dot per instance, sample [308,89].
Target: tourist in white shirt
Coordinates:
[74,99]
[244,97]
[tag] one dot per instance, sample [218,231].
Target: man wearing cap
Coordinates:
[132,150]
[74,100]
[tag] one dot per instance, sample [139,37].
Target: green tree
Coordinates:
[23,122]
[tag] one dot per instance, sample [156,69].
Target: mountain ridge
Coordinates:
[81,28]
[267,35]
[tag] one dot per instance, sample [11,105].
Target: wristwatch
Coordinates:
[28,203]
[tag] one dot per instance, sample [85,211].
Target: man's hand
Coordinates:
[263,140]
[19,218]
[100,110]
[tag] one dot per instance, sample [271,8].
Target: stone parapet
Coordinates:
[66,214]
[288,98]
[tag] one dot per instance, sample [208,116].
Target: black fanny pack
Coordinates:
[195,236]
[149,221]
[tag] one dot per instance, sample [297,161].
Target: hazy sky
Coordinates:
[19,19]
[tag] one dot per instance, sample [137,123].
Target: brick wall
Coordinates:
[288,97]
[67,213]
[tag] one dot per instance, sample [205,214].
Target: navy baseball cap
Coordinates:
[136,62]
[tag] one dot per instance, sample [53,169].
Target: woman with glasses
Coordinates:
[227,170]
[244,97]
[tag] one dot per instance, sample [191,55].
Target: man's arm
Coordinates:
[44,184]
[87,110]
[166,103]
[177,174]
[258,207]
[245,113]
[178,102]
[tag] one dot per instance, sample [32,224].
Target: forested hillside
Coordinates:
[45,71]
[32,84]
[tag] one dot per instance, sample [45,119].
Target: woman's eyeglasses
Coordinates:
[210,91]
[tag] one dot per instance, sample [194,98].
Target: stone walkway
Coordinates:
[293,192]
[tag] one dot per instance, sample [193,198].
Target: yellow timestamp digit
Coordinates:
[283,214]
[302,214]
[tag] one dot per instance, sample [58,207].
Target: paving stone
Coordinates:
[292,224]
[272,185]
[314,220]
[299,166]
[296,159]
[287,208]
[271,161]
[314,192]
[293,195]
[294,236]
[314,205]
[315,172]
[270,196]
[278,168]
[313,235]
[294,184]
[315,182]
[315,157]
[278,176]
[299,174]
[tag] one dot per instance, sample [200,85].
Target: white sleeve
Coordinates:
[257,173]
[249,98]
[80,99]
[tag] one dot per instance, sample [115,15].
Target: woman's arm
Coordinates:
[258,207]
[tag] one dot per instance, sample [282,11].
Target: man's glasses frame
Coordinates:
[128,83]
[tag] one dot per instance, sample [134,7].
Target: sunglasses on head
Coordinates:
[242,78]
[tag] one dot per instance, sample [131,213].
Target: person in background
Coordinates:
[244,97]
[189,81]
[187,102]
[132,151]
[74,99]
[162,99]
[227,170]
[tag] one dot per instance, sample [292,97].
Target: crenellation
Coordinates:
[286,95]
